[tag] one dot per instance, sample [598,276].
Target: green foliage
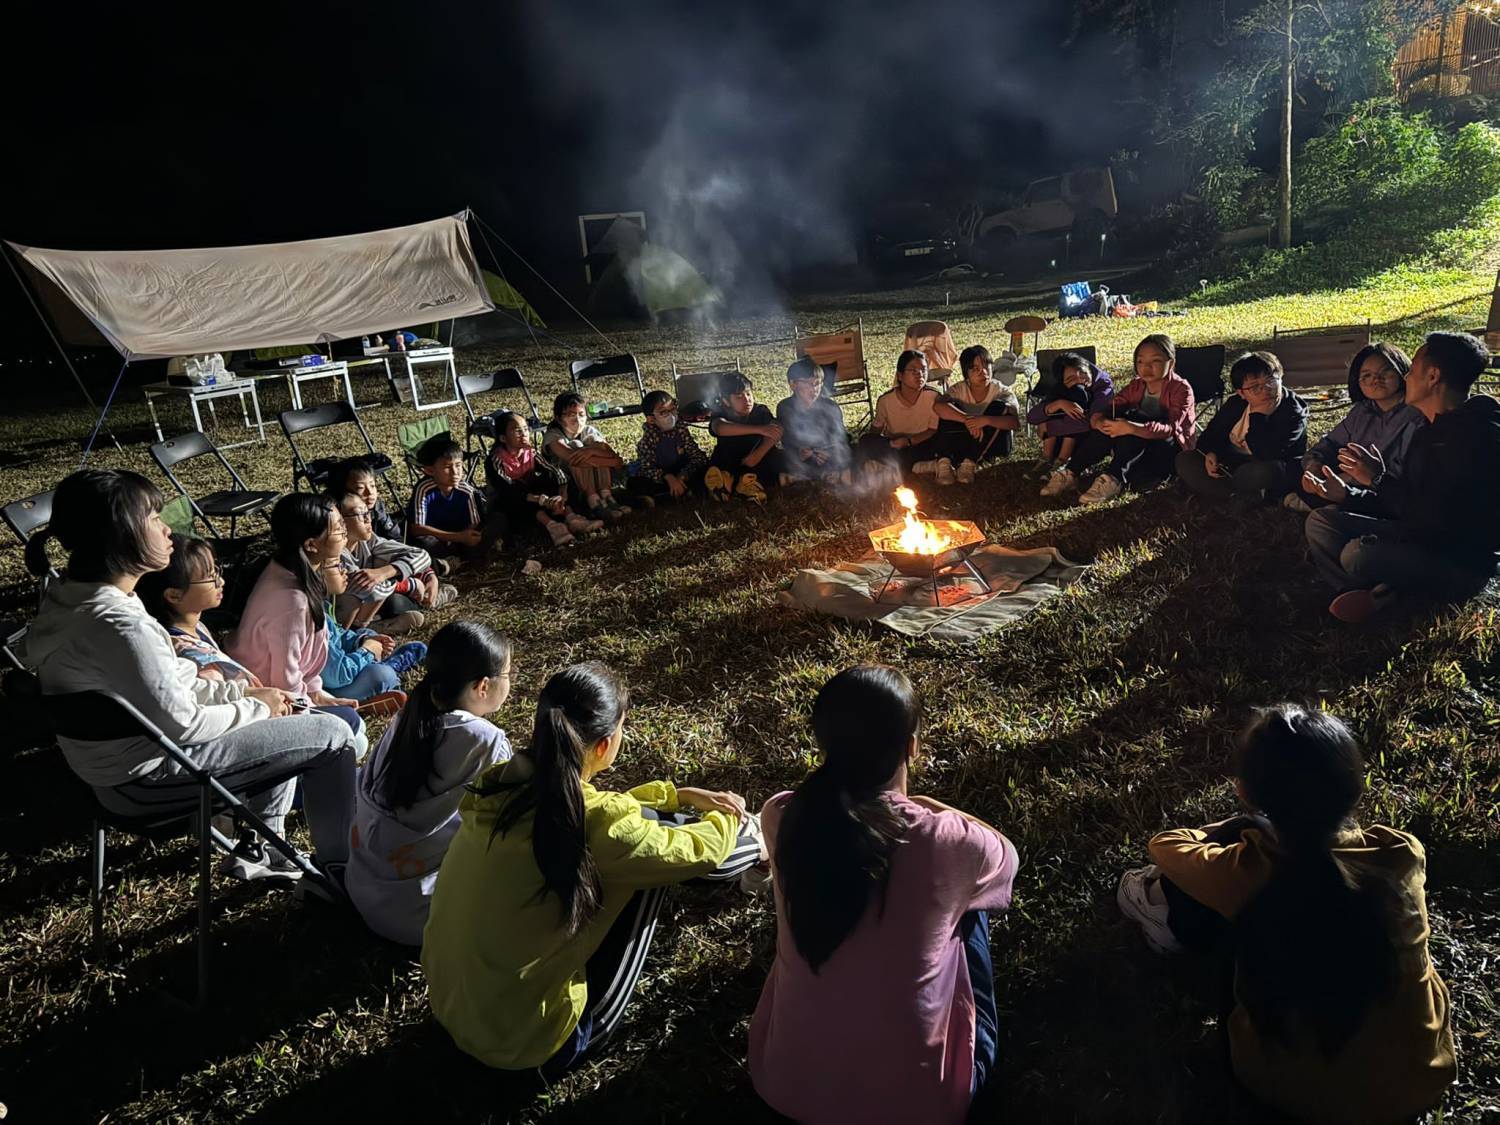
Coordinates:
[1377,152]
[1390,192]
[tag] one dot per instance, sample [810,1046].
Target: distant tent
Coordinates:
[513,316]
[644,276]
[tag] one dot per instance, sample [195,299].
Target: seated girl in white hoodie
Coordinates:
[93,634]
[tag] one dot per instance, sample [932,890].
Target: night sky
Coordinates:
[755,136]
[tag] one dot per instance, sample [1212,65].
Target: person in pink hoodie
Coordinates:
[880,1005]
[283,634]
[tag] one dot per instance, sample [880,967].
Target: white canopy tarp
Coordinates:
[151,304]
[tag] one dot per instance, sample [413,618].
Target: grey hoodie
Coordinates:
[90,636]
[380,551]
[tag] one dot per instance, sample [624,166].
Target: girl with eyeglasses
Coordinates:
[406,803]
[1252,450]
[1378,419]
[179,596]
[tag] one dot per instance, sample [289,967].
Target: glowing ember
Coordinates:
[918,537]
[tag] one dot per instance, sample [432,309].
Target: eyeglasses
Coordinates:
[363,515]
[216,578]
[1260,388]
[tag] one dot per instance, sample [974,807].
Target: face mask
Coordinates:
[666,421]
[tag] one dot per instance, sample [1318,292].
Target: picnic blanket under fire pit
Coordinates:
[1019,582]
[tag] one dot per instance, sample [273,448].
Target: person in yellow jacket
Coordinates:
[547,900]
[1339,1015]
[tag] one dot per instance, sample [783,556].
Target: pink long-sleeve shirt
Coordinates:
[276,639]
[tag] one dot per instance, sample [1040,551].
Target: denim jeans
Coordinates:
[1355,552]
[975,930]
[318,747]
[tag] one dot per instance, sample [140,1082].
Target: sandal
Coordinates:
[382,706]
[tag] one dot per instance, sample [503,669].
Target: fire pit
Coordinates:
[932,550]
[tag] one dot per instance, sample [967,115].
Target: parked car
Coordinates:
[910,236]
[1079,203]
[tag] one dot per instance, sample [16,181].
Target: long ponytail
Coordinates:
[840,830]
[1313,947]
[296,518]
[580,705]
[459,654]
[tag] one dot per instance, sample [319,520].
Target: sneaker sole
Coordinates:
[1159,936]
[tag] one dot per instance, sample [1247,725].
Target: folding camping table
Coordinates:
[209,393]
[425,356]
[296,376]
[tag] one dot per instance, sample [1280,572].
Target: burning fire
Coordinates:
[918,537]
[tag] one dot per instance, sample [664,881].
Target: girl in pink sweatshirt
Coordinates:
[283,636]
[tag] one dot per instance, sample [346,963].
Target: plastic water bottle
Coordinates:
[600,408]
[364,343]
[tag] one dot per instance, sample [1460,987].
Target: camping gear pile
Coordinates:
[1077,299]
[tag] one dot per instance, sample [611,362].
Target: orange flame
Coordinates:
[918,537]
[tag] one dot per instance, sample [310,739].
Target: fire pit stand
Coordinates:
[964,539]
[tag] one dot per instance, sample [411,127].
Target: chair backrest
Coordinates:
[702,390]
[1045,357]
[504,379]
[1492,325]
[1318,357]
[413,435]
[28,515]
[184,447]
[177,513]
[607,367]
[934,340]
[844,353]
[1203,368]
[317,417]
[340,413]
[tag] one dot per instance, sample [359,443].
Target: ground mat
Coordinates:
[1019,582]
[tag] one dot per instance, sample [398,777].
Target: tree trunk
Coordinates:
[1284,179]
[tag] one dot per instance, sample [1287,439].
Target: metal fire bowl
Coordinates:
[965,534]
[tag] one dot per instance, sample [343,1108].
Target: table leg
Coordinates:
[197,416]
[295,391]
[244,413]
[155,423]
[255,400]
[213,412]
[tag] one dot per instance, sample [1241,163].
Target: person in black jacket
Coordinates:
[1429,529]
[1251,449]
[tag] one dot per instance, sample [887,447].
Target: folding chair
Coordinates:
[1043,387]
[698,393]
[583,371]
[102,716]
[315,472]
[412,436]
[1317,360]
[842,357]
[1203,368]
[235,503]
[28,515]
[934,340]
[480,428]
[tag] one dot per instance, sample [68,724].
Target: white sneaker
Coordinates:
[925,468]
[967,471]
[1295,503]
[1105,487]
[756,880]
[944,472]
[1140,899]
[252,861]
[1061,480]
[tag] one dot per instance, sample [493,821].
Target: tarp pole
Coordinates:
[56,342]
[87,449]
[484,226]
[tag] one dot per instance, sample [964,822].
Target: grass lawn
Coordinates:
[1101,718]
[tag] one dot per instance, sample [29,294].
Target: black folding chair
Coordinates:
[1044,387]
[235,503]
[28,515]
[615,367]
[1203,368]
[480,427]
[102,716]
[315,471]
[698,393]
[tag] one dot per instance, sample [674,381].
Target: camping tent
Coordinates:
[647,275]
[513,316]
